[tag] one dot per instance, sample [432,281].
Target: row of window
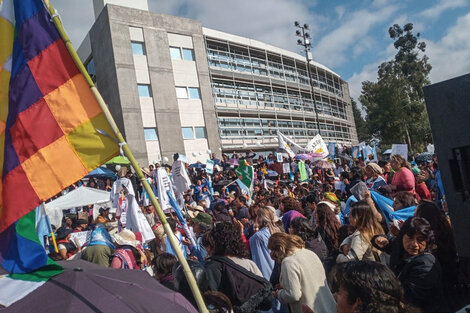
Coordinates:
[275,69]
[176,53]
[181,92]
[151,134]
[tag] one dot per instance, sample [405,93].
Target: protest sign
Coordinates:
[210,167]
[401,149]
[286,168]
[81,237]
[279,157]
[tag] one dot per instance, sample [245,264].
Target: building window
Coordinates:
[175,53]
[187,132]
[138,48]
[181,93]
[150,134]
[144,90]
[194,93]
[188,54]
[200,132]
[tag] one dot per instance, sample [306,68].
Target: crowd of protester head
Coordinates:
[295,245]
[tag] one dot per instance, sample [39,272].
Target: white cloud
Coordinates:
[450,56]
[362,45]
[333,48]
[441,7]
[77,17]
[340,10]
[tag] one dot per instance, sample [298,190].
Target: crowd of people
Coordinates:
[293,245]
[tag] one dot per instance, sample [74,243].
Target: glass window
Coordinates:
[188,54]
[175,53]
[181,93]
[138,48]
[187,132]
[144,90]
[194,93]
[200,132]
[90,67]
[150,134]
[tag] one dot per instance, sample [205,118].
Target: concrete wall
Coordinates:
[448,106]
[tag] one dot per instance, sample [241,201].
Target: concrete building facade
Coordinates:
[175,86]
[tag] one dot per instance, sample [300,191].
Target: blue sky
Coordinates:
[350,37]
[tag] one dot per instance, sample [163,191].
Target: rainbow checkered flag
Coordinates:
[50,127]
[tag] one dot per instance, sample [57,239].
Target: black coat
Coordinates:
[421,277]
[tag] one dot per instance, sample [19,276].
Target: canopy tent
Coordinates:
[79,197]
[122,160]
[102,173]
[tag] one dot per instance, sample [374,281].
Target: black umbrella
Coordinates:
[424,157]
[86,287]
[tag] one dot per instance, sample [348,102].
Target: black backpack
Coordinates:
[247,291]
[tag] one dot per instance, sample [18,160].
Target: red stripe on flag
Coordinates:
[18,196]
[53,67]
[34,129]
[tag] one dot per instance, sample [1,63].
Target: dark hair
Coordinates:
[290,203]
[302,228]
[220,207]
[217,301]
[411,227]
[356,173]
[172,224]
[328,224]
[382,163]
[242,199]
[163,263]
[344,175]
[312,198]
[225,239]
[181,284]
[373,284]
[406,198]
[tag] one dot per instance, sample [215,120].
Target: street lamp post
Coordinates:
[305,42]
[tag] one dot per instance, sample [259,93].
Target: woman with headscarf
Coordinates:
[374,176]
[100,248]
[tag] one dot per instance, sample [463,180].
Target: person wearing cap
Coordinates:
[104,213]
[66,247]
[374,176]
[126,254]
[202,223]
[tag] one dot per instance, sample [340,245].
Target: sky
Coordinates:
[349,37]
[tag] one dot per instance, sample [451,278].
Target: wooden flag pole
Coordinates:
[187,271]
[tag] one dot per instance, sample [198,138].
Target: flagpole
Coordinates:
[187,271]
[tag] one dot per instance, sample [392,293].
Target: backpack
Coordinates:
[247,291]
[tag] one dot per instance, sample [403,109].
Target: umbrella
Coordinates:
[102,173]
[87,287]
[323,164]
[424,157]
[119,160]
[345,157]
[197,165]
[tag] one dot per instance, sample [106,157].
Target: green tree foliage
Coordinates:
[395,108]
[361,125]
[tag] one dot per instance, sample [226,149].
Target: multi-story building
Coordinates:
[175,86]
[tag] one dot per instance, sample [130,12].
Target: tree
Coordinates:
[395,108]
[361,125]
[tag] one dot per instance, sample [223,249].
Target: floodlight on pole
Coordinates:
[306,43]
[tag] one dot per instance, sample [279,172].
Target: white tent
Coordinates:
[79,197]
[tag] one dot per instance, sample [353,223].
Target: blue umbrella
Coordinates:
[197,165]
[102,173]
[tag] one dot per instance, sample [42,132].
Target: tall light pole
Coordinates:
[305,42]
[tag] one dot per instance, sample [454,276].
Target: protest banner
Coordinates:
[81,237]
[401,149]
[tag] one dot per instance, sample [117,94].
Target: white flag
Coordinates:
[180,176]
[288,145]
[135,218]
[317,145]
[164,185]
